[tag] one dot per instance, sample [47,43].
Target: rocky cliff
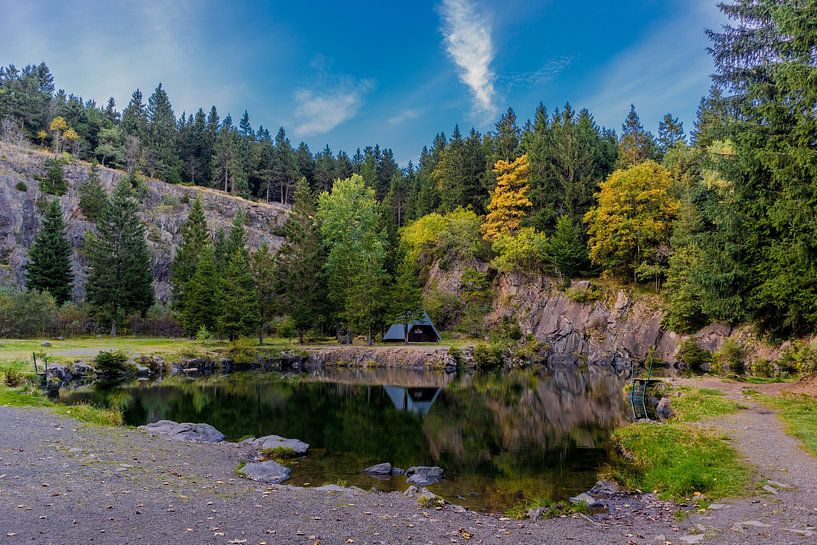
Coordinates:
[163,209]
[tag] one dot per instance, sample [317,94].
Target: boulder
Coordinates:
[186,431]
[59,371]
[275,441]
[267,472]
[664,410]
[592,503]
[604,488]
[379,469]
[424,475]
[81,368]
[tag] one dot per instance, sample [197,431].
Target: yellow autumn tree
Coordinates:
[58,126]
[72,137]
[509,201]
[631,223]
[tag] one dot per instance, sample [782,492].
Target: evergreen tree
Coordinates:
[239,309]
[567,249]
[636,145]
[163,159]
[53,182]
[49,266]
[202,295]
[266,285]
[120,275]
[195,238]
[406,301]
[670,133]
[300,262]
[92,197]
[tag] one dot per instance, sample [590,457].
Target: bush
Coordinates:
[13,377]
[158,321]
[114,364]
[525,251]
[455,354]
[21,186]
[444,309]
[53,181]
[693,355]
[449,237]
[729,357]
[762,368]
[798,357]
[27,314]
[203,334]
[285,327]
[586,294]
[488,355]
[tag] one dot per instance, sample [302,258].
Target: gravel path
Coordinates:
[62,483]
[786,511]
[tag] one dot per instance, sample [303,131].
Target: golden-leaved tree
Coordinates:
[509,200]
[630,226]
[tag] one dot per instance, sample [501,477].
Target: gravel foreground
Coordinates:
[63,482]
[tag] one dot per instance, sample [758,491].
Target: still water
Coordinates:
[501,438]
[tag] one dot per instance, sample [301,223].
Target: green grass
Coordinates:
[799,413]
[28,396]
[278,453]
[677,460]
[552,508]
[698,403]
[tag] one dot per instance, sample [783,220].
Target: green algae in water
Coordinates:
[502,439]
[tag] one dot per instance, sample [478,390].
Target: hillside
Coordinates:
[163,209]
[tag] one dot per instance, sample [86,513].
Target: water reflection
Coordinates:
[501,438]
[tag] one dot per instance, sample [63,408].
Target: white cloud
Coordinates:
[403,116]
[468,40]
[320,109]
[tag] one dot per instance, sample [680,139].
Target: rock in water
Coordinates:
[268,472]
[424,475]
[379,469]
[186,431]
[276,441]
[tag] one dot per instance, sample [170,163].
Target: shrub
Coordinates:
[693,355]
[524,251]
[488,355]
[798,357]
[278,453]
[21,186]
[26,314]
[448,237]
[455,354]
[586,294]
[762,368]
[443,308]
[53,181]
[13,377]
[203,334]
[729,357]
[286,327]
[242,352]
[114,364]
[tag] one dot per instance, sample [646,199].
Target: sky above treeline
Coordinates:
[357,73]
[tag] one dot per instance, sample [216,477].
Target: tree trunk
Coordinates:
[405,332]
[113,327]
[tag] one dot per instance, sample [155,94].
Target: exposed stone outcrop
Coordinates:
[163,209]
[384,356]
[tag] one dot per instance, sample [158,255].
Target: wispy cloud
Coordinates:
[540,76]
[330,102]
[468,40]
[403,116]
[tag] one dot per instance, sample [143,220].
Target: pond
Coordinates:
[501,438]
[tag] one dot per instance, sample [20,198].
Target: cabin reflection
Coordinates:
[415,400]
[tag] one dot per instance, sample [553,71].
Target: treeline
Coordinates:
[722,223]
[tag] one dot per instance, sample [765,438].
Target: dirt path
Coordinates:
[786,512]
[65,483]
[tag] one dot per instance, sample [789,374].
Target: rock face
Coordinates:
[270,472]
[163,209]
[276,441]
[186,431]
[424,475]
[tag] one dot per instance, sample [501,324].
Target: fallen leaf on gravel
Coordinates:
[11,534]
[465,534]
[237,541]
[350,540]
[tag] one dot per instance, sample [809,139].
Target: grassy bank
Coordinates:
[799,413]
[679,459]
[28,396]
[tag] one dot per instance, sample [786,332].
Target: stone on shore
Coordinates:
[185,431]
[424,475]
[270,472]
[276,441]
[379,469]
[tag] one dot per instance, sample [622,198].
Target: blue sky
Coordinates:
[354,73]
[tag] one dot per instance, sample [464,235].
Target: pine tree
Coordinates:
[239,309]
[509,202]
[300,262]
[264,272]
[53,182]
[163,159]
[636,145]
[568,252]
[670,133]
[92,197]
[120,275]
[49,267]
[202,294]
[406,301]
[195,238]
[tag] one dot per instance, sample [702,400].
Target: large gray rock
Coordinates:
[276,441]
[424,475]
[186,431]
[379,469]
[267,472]
[664,410]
